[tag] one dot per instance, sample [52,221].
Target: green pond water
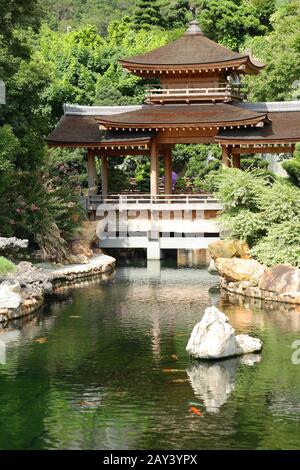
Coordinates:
[104,367]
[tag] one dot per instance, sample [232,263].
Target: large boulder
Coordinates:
[237,269]
[229,249]
[281,279]
[214,338]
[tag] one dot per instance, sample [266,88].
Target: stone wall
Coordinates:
[245,288]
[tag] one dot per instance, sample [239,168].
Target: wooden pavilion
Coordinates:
[199,100]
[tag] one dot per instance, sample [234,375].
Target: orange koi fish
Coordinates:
[195,410]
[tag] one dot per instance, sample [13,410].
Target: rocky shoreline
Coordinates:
[242,275]
[245,289]
[23,292]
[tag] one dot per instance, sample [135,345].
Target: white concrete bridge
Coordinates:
[155,223]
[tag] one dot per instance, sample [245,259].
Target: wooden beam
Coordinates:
[119,153]
[254,150]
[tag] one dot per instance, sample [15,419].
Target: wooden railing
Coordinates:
[145,201]
[222,92]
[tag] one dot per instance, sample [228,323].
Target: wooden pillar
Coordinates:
[168,170]
[154,169]
[104,175]
[225,156]
[236,161]
[92,173]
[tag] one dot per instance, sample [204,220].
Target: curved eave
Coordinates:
[242,65]
[118,125]
[284,128]
[116,143]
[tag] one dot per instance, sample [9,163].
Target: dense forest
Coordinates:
[58,51]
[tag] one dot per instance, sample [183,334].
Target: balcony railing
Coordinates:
[224,92]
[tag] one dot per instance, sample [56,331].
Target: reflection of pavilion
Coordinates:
[199,100]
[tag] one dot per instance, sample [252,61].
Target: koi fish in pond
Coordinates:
[40,340]
[195,410]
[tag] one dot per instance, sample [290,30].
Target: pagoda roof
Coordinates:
[193,50]
[183,115]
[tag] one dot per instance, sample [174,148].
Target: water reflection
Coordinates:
[213,382]
[113,372]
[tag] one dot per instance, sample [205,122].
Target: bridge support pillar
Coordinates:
[153,249]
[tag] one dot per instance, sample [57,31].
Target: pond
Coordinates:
[104,367]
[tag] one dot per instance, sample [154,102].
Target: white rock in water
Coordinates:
[214,338]
[8,298]
[247,344]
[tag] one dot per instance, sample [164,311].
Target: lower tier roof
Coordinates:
[84,131]
[284,127]
[81,126]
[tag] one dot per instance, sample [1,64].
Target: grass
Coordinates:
[6,266]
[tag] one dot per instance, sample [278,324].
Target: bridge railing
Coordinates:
[197,200]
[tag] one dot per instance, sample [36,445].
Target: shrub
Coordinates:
[281,202]
[245,225]
[292,167]
[265,214]
[281,245]
[240,190]
[6,266]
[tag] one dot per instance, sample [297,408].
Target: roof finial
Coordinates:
[194,28]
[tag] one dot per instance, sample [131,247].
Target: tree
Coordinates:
[176,14]
[147,14]
[280,50]
[230,21]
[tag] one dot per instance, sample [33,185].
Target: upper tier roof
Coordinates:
[192,50]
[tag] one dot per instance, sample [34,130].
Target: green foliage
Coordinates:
[63,14]
[292,167]
[142,175]
[175,14]
[147,14]
[281,245]
[117,180]
[280,51]
[252,162]
[245,225]
[6,266]
[230,21]
[265,215]
[30,201]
